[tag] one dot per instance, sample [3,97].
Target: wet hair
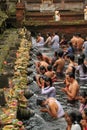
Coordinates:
[75,117]
[71,56]
[40,100]
[82,55]
[48,79]
[49,67]
[78,34]
[38,54]
[60,53]
[80,60]
[85,111]
[48,34]
[42,68]
[84,95]
[71,75]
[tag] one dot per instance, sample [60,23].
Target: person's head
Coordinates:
[42,69]
[48,81]
[84,114]
[49,68]
[48,34]
[71,57]
[71,76]
[83,97]
[41,101]
[72,117]
[60,53]
[39,55]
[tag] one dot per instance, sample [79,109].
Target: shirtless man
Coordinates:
[72,64]
[59,64]
[80,42]
[74,40]
[42,57]
[72,90]
[51,106]
[43,61]
[51,74]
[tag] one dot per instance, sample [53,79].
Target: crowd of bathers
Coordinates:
[68,64]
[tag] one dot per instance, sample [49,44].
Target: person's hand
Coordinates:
[64,89]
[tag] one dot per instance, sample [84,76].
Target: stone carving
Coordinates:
[85,13]
[47,5]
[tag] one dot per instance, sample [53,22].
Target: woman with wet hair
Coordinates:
[84,120]
[73,119]
[81,69]
[47,89]
[83,101]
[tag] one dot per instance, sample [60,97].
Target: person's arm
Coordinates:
[43,91]
[73,93]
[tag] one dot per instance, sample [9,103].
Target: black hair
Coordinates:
[84,95]
[80,60]
[48,79]
[40,100]
[71,75]
[49,34]
[38,54]
[75,117]
[85,111]
[72,57]
[42,68]
[70,44]
[49,67]
[60,53]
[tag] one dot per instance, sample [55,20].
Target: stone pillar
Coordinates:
[20,13]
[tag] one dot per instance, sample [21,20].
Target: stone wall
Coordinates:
[38,5]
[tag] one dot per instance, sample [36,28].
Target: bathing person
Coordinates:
[54,58]
[83,101]
[74,41]
[51,106]
[48,40]
[59,64]
[72,63]
[85,47]
[55,42]
[47,89]
[70,49]
[84,120]
[72,90]
[81,69]
[40,77]
[42,57]
[73,120]
[51,74]
[39,40]
[80,42]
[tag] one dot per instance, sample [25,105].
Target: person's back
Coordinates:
[74,41]
[80,42]
[55,42]
[39,40]
[59,64]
